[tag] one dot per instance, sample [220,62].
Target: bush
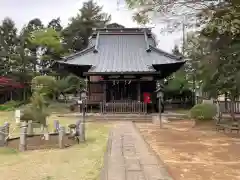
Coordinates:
[203,111]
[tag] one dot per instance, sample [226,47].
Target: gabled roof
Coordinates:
[122,50]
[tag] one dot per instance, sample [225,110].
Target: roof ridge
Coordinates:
[166,53]
[66,58]
[135,29]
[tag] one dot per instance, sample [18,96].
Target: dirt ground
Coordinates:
[195,153]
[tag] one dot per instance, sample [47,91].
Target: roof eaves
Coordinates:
[146,41]
[97,42]
[151,68]
[178,58]
[92,68]
[80,53]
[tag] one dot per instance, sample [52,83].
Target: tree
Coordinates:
[225,44]
[33,25]
[49,47]
[216,53]
[42,88]
[46,85]
[69,84]
[22,67]
[78,31]
[178,81]
[55,24]
[174,13]
[8,41]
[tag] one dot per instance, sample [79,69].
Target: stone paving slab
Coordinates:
[128,157]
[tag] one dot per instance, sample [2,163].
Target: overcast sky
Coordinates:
[21,11]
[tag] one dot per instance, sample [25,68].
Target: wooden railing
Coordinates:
[224,105]
[123,107]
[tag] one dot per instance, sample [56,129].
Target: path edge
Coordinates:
[159,160]
[104,169]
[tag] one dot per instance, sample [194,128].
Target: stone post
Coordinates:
[30,128]
[82,124]
[23,137]
[46,133]
[78,131]
[56,126]
[17,116]
[61,136]
[7,126]
[2,136]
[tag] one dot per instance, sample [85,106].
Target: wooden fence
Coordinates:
[224,105]
[123,107]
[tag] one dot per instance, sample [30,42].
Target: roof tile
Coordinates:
[122,53]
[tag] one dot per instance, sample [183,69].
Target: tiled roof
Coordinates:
[122,52]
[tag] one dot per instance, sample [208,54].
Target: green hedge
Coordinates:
[203,111]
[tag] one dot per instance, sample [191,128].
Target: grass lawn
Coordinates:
[79,162]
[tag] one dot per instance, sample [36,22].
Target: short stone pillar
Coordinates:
[7,127]
[17,116]
[2,136]
[61,137]
[23,137]
[46,133]
[56,126]
[30,128]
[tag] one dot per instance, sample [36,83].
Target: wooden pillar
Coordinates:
[104,91]
[139,91]
[88,84]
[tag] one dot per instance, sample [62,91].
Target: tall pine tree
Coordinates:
[80,27]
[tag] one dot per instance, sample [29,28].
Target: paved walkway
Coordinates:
[128,157]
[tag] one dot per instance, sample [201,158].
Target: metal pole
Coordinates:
[82,124]
[160,111]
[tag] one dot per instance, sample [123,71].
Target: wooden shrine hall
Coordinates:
[122,67]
